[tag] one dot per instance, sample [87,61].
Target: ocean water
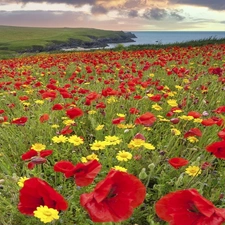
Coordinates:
[166,37]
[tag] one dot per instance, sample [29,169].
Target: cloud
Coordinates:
[163,14]
[98,9]
[155,13]
[175,14]
[69,2]
[43,18]
[133,13]
[212,4]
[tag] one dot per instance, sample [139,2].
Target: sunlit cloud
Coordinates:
[115,14]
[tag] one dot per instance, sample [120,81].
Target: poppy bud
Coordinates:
[38,160]
[151,166]
[143,175]
[175,120]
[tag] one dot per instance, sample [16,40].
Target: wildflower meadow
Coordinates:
[113,137]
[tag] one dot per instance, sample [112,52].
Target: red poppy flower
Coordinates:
[217,149]
[155,98]
[193,132]
[178,162]
[118,120]
[57,107]
[220,110]
[35,157]
[194,114]
[221,134]
[146,119]
[208,122]
[20,121]
[188,207]
[44,117]
[100,105]
[2,111]
[114,198]
[74,112]
[23,98]
[92,96]
[133,111]
[84,173]
[37,192]
[66,130]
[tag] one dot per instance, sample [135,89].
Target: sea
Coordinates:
[170,37]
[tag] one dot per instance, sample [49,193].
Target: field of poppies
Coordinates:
[114,137]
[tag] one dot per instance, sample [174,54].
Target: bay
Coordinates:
[169,37]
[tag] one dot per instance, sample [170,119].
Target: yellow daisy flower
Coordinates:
[46,214]
[98,145]
[149,146]
[59,139]
[188,118]
[38,147]
[172,102]
[99,127]
[156,107]
[175,131]
[192,139]
[193,171]
[93,156]
[136,143]
[74,139]
[112,140]
[123,156]
[120,168]
[21,181]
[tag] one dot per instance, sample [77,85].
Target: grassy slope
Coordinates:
[18,38]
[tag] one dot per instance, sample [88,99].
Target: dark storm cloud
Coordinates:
[175,14]
[212,4]
[155,13]
[133,13]
[98,9]
[162,14]
[69,2]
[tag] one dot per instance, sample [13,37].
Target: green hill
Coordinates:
[30,39]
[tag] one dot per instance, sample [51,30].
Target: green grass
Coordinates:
[18,39]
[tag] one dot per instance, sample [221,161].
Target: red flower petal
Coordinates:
[178,162]
[37,192]
[217,149]
[74,113]
[85,173]
[114,198]
[63,167]
[44,117]
[146,119]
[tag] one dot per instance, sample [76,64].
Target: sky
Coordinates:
[126,15]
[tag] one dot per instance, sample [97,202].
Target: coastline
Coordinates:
[79,45]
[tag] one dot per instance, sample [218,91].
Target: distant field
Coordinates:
[14,39]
